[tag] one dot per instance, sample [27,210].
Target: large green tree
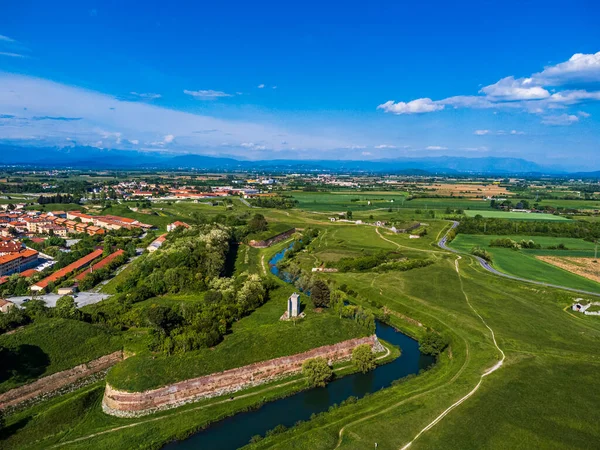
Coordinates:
[317,372]
[363,358]
[320,294]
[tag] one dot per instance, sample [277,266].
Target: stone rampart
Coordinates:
[57,380]
[135,404]
[268,242]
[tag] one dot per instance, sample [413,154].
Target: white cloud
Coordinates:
[146,95]
[144,122]
[475,149]
[435,147]
[580,68]
[516,132]
[274,87]
[481,132]
[528,94]
[261,86]
[584,114]
[366,153]
[207,94]
[420,105]
[384,146]
[510,89]
[12,55]
[253,146]
[563,119]
[6,39]
[134,141]
[168,138]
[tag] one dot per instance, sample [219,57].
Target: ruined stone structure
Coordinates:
[58,380]
[135,404]
[268,242]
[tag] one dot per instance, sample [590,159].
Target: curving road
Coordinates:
[443,244]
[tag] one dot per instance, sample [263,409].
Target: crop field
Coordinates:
[492,213]
[343,201]
[585,267]
[468,189]
[524,263]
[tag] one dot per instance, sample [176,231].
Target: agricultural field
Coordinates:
[345,201]
[467,190]
[585,267]
[525,263]
[495,214]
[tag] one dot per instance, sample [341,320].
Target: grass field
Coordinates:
[537,399]
[492,213]
[523,263]
[51,346]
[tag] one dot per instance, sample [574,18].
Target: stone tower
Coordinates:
[293,305]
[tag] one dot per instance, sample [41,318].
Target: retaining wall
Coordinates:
[57,380]
[268,242]
[135,404]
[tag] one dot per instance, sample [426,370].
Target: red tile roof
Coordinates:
[69,269]
[100,264]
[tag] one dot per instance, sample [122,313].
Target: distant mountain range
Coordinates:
[94,158]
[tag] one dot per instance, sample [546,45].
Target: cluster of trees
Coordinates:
[257,224]
[509,243]
[405,265]
[57,198]
[188,261]
[433,343]
[96,276]
[574,229]
[482,253]
[185,328]
[34,310]
[278,202]
[300,244]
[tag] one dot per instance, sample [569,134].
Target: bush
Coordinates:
[433,343]
[317,372]
[363,358]
[320,294]
[478,251]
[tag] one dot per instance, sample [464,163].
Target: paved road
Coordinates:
[443,244]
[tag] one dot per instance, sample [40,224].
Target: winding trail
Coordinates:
[485,374]
[443,243]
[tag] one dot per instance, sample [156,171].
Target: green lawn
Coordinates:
[50,346]
[492,213]
[523,263]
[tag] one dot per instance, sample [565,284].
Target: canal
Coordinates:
[236,431]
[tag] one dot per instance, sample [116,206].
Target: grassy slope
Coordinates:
[53,345]
[524,264]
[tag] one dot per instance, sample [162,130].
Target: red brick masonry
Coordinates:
[135,404]
[58,380]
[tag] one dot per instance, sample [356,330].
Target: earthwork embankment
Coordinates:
[135,404]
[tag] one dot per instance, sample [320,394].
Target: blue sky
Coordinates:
[335,80]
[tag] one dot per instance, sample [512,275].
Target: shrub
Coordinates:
[317,372]
[433,343]
[363,358]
